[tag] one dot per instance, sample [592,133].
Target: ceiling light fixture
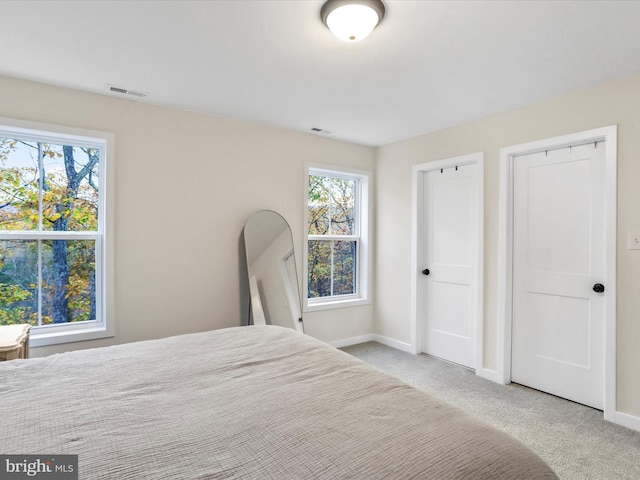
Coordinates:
[352,20]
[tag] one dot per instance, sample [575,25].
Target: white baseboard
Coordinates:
[390,342]
[371,337]
[346,342]
[628,421]
[491,375]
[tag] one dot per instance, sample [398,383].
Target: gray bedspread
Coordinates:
[256,402]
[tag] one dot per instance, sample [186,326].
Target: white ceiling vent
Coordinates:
[126,91]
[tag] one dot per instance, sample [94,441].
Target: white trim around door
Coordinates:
[505,283]
[418,242]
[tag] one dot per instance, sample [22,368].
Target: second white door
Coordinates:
[449,264]
[558,272]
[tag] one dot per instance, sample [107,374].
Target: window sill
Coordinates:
[332,304]
[58,334]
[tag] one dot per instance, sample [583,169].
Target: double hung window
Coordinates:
[52,226]
[336,237]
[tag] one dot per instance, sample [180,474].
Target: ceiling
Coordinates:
[428,65]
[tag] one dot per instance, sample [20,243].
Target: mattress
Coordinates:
[258,402]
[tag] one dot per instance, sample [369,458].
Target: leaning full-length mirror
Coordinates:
[271,266]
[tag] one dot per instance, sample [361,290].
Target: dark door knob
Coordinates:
[426,271]
[598,288]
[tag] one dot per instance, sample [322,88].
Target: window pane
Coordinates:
[331,268]
[343,206]
[319,268]
[18,185]
[70,195]
[68,281]
[344,263]
[18,282]
[69,191]
[319,198]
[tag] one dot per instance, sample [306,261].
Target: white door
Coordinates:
[558,258]
[449,280]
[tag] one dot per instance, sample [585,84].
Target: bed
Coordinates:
[257,402]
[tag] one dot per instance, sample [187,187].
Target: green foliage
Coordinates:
[12,312]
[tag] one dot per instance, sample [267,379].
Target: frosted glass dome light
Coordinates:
[352,20]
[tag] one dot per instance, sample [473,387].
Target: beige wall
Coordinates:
[185,184]
[612,103]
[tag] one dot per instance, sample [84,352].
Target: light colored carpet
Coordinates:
[573,439]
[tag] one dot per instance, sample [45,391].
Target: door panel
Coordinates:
[558,320]
[449,291]
[561,329]
[450,198]
[558,214]
[450,309]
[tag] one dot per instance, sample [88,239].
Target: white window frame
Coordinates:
[103,325]
[363,252]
